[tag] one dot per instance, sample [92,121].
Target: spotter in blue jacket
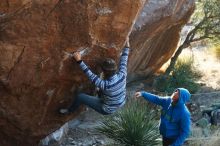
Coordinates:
[175,118]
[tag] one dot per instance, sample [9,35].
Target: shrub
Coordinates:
[184,75]
[134,125]
[217,52]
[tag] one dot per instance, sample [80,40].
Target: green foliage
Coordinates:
[183,75]
[206,21]
[134,125]
[203,26]
[217,52]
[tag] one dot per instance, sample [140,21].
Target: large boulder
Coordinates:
[156,34]
[37,77]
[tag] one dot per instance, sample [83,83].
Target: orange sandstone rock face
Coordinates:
[37,78]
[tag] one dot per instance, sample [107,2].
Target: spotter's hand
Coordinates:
[137,94]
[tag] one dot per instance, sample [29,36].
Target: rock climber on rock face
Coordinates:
[112,87]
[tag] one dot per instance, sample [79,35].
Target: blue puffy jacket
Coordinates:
[175,119]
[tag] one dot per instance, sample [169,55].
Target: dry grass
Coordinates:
[209,66]
[217,52]
[201,140]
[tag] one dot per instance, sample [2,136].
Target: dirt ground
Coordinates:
[82,131]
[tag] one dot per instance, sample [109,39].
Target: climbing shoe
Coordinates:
[64,111]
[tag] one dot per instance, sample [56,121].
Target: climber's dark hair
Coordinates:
[109,67]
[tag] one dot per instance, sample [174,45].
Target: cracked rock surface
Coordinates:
[37,77]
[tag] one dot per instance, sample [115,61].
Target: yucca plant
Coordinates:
[134,125]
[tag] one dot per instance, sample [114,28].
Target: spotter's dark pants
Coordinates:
[167,141]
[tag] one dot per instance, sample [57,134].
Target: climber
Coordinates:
[112,87]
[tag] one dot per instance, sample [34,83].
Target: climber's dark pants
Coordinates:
[91,101]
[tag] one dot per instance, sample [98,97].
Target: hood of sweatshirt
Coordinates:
[184,96]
